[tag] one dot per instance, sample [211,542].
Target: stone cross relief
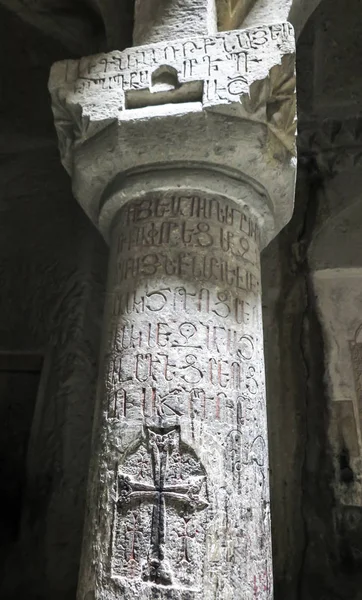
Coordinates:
[176,486]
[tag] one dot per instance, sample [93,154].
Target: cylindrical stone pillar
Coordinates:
[160,20]
[179,502]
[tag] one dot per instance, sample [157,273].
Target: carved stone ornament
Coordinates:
[223,103]
[159,527]
[179,497]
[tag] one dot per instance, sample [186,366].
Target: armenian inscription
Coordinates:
[179,151]
[184,362]
[224,65]
[176,330]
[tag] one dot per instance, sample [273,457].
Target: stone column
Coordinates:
[159,20]
[182,155]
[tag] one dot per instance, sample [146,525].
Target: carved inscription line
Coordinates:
[225,63]
[157,368]
[187,335]
[186,264]
[231,46]
[147,225]
[184,208]
[222,304]
[224,406]
[175,233]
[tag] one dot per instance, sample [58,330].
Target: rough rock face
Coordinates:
[52,266]
[156,21]
[311,315]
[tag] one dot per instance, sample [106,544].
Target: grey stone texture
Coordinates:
[158,21]
[228,100]
[96,25]
[53,266]
[182,153]
[179,495]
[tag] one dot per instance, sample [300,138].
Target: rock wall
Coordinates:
[52,271]
[312,294]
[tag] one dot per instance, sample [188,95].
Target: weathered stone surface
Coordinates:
[228,100]
[106,24]
[338,294]
[180,488]
[295,11]
[52,307]
[249,13]
[39,227]
[158,21]
[181,153]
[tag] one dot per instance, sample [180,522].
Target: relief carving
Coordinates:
[206,58]
[182,208]
[182,264]
[215,71]
[160,513]
[184,364]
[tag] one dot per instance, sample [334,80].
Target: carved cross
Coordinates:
[186,495]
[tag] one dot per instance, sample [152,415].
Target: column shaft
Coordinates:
[179,505]
[160,20]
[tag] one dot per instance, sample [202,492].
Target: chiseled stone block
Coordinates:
[223,104]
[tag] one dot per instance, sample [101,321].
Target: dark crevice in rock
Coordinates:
[346,474]
[284,277]
[319,554]
[302,244]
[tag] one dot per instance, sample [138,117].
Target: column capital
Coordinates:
[203,111]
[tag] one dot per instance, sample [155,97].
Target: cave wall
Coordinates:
[312,299]
[52,271]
